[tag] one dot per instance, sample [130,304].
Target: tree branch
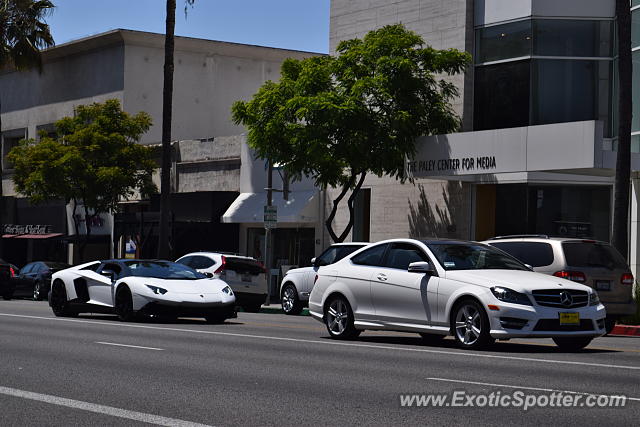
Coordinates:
[345,188]
[350,203]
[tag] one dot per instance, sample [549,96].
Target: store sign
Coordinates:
[479,164]
[26,229]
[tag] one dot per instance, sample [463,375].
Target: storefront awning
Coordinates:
[302,207]
[31,236]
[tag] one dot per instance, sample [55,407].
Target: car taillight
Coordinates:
[627,279]
[574,276]
[220,269]
[13,272]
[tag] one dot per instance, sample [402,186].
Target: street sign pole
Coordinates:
[267,230]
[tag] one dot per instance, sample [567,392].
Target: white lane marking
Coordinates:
[127,345]
[98,409]
[525,388]
[334,343]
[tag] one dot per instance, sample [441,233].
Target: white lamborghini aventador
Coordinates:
[130,288]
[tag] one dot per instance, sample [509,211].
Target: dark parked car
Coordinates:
[34,280]
[7,274]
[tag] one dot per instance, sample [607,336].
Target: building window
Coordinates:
[503,41]
[10,139]
[48,130]
[502,95]
[562,37]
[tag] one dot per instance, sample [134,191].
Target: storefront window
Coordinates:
[291,246]
[570,90]
[502,95]
[635,28]
[503,41]
[561,37]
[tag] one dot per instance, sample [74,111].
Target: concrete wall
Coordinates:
[209,77]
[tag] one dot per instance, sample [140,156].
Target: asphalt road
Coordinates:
[271,369]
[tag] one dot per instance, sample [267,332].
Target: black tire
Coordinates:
[291,304]
[338,318]
[215,318]
[59,303]
[431,338]
[572,343]
[39,292]
[7,295]
[252,308]
[609,324]
[470,325]
[124,305]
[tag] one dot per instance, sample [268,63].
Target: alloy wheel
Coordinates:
[468,324]
[36,291]
[337,316]
[288,299]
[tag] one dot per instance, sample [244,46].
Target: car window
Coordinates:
[536,254]
[470,256]
[40,268]
[335,253]
[400,255]
[55,265]
[592,254]
[372,256]
[112,267]
[186,260]
[27,268]
[201,262]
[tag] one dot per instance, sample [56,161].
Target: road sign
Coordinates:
[270,216]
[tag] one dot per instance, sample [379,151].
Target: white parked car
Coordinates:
[296,285]
[246,276]
[130,288]
[440,287]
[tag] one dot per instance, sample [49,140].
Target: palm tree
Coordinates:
[164,250]
[620,238]
[23,34]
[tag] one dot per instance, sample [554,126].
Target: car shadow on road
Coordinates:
[498,347]
[156,320]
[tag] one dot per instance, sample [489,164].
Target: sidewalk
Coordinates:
[627,330]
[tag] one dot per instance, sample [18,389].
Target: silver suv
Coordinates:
[589,262]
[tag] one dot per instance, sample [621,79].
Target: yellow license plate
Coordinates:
[569,318]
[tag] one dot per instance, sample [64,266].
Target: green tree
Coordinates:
[94,162]
[164,250]
[620,237]
[23,33]
[338,118]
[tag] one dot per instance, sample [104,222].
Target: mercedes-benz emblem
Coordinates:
[566,299]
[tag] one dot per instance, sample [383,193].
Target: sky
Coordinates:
[289,24]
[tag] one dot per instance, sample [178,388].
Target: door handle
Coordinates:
[382,277]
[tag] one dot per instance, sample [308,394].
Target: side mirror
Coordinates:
[209,275]
[421,267]
[108,274]
[529,267]
[313,261]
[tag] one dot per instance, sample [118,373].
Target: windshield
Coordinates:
[470,256]
[163,270]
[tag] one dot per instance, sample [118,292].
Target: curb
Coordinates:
[633,331]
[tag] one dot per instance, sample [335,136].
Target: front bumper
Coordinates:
[521,321]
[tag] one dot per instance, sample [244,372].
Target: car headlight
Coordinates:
[511,296]
[227,290]
[594,299]
[156,290]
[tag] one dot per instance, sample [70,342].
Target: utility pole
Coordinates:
[267,231]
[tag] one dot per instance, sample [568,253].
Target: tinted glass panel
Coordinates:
[402,254]
[371,256]
[56,265]
[582,254]
[201,262]
[336,253]
[27,268]
[560,37]
[242,265]
[502,95]
[570,90]
[185,260]
[635,28]
[473,257]
[503,41]
[536,254]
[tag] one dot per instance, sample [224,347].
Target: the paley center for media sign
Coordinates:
[575,147]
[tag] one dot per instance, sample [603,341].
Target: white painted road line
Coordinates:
[549,390]
[127,345]
[471,354]
[98,409]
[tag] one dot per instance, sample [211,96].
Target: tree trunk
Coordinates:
[167,101]
[620,238]
[350,202]
[87,234]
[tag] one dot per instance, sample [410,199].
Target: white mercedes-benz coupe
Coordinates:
[131,288]
[470,290]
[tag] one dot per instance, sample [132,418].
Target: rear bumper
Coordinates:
[618,309]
